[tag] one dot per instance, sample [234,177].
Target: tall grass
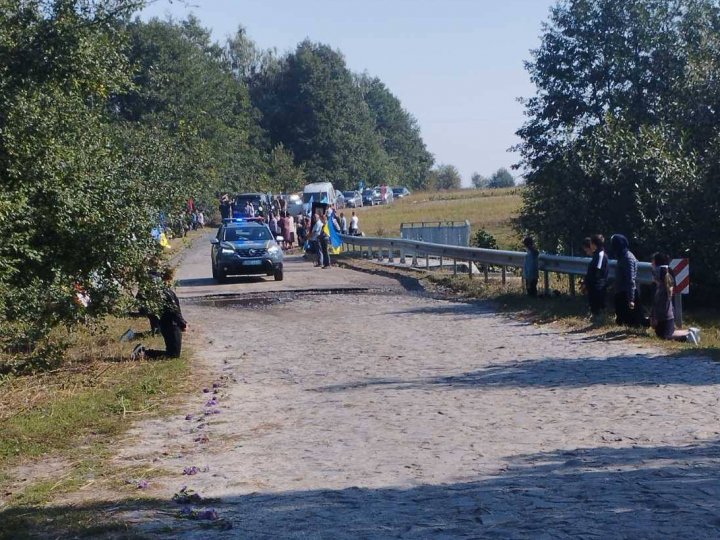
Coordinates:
[489,209]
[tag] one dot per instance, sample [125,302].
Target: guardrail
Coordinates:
[376,247]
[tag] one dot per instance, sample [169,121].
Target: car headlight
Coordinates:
[226,251]
[273,250]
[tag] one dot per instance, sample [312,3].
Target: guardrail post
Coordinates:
[572,284]
[454,267]
[441,263]
[546,282]
[677,305]
[485,272]
[427,261]
[380,254]
[402,256]
[502,273]
[414,259]
[469,263]
[391,257]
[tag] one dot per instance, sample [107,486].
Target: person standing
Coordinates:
[354,225]
[316,231]
[531,266]
[289,228]
[628,311]
[172,324]
[225,207]
[595,282]
[343,223]
[323,238]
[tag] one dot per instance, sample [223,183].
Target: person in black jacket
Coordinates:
[172,324]
[628,310]
[595,282]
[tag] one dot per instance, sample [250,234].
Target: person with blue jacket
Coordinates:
[628,311]
[531,268]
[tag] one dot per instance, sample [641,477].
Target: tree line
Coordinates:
[109,124]
[624,130]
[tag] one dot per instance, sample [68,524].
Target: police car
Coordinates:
[243,248]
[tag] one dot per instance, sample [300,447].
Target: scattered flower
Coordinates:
[189,417]
[186,496]
[196,513]
[202,439]
[212,411]
[212,403]
[142,484]
[206,390]
[216,385]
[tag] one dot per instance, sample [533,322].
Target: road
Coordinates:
[385,413]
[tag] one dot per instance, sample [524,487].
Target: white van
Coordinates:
[319,192]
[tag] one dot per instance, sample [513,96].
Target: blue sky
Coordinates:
[456,65]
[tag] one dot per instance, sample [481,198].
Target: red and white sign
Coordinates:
[681,270]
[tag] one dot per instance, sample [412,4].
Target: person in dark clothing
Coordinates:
[225,207]
[628,310]
[172,324]
[662,316]
[530,268]
[595,282]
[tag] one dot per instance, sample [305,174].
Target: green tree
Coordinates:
[501,179]
[70,215]
[314,108]
[399,134]
[625,126]
[447,177]
[478,180]
[285,176]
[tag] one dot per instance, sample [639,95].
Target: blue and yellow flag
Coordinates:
[335,240]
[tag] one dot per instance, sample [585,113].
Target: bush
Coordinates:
[484,239]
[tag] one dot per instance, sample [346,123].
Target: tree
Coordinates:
[447,177]
[625,125]
[314,108]
[71,216]
[409,160]
[478,180]
[501,179]
[285,176]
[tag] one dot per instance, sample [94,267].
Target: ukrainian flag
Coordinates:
[335,246]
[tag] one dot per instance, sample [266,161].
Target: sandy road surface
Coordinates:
[392,415]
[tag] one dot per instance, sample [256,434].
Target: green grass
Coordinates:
[490,209]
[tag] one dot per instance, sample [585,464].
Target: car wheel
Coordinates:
[214,272]
[278,275]
[221,277]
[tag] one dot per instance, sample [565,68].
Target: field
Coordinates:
[489,209]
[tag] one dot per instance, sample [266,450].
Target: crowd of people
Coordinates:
[629,310]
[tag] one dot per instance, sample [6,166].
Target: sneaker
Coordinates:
[696,335]
[128,335]
[138,352]
[692,338]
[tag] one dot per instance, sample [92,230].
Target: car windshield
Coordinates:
[349,194]
[317,197]
[397,190]
[247,234]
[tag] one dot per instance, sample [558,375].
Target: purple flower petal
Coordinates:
[206,390]
[189,417]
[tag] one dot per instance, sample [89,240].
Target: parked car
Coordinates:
[382,195]
[353,199]
[367,197]
[245,248]
[340,201]
[400,191]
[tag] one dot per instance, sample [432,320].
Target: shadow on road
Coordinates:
[652,492]
[561,372]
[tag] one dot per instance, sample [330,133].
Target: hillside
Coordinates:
[490,209]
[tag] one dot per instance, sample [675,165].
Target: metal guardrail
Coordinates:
[573,266]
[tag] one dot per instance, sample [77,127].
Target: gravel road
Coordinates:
[384,413]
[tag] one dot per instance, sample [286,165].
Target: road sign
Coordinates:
[681,270]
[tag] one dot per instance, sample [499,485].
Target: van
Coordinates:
[319,192]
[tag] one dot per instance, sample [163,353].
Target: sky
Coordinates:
[456,65]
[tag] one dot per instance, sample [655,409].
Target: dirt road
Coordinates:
[390,414]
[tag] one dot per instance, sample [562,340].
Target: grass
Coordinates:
[490,209]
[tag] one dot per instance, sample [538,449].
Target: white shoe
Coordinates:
[692,338]
[695,332]
[138,352]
